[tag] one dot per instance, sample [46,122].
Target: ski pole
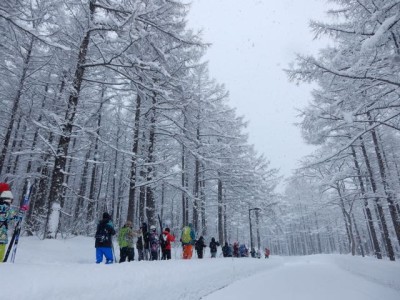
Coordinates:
[17,229]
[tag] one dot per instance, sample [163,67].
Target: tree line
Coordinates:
[108,106]
[353,118]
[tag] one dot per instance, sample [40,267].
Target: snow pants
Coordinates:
[126,252]
[166,254]
[214,254]
[154,255]
[143,254]
[187,251]
[107,252]
[2,251]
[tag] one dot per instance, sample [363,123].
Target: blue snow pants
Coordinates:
[107,252]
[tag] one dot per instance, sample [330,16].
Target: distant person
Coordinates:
[236,249]
[253,252]
[213,247]
[7,214]
[105,231]
[243,251]
[142,244]
[199,246]
[227,250]
[188,237]
[125,240]
[154,243]
[266,253]
[168,238]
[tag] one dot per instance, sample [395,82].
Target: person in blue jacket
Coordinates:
[105,231]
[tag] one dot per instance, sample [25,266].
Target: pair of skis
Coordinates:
[12,247]
[161,238]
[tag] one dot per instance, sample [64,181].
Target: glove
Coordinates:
[24,208]
[19,216]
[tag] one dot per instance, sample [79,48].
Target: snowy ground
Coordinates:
[65,269]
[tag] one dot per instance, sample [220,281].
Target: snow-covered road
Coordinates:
[65,270]
[313,277]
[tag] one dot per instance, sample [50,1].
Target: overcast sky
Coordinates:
[252,41]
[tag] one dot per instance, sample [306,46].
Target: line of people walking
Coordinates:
[153,246]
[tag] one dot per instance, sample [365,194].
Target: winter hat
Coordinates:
[106,216]
[5,193]
[152,227]
[167,229]
[4,187]
[144,226]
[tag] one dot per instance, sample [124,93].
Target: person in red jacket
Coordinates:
[167,239]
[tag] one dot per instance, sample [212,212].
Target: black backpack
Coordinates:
[213,247]
[102,234]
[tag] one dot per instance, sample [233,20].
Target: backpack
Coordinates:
[154,242]
[163,241]
[186,238]
[213,247]
[199,245]
[243,250]
[102,234]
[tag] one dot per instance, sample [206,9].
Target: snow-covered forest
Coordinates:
[108,105]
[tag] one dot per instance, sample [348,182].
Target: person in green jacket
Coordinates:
[125,241]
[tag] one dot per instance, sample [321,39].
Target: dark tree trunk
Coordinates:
[15,106]
[135,148]
[196,196]
[358,237]
[379,207]
[386,187]
[93,178]
[150,200]
[370,222]
[142,197]
[13,145]
[347,222]
[220,213]
[184,183]
[56,196]
[203,204]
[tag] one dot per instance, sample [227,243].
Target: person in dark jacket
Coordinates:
[213,247]
[253,252]
[199,246]
[227,250]
[143,248]
[154,243]
[105,231]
